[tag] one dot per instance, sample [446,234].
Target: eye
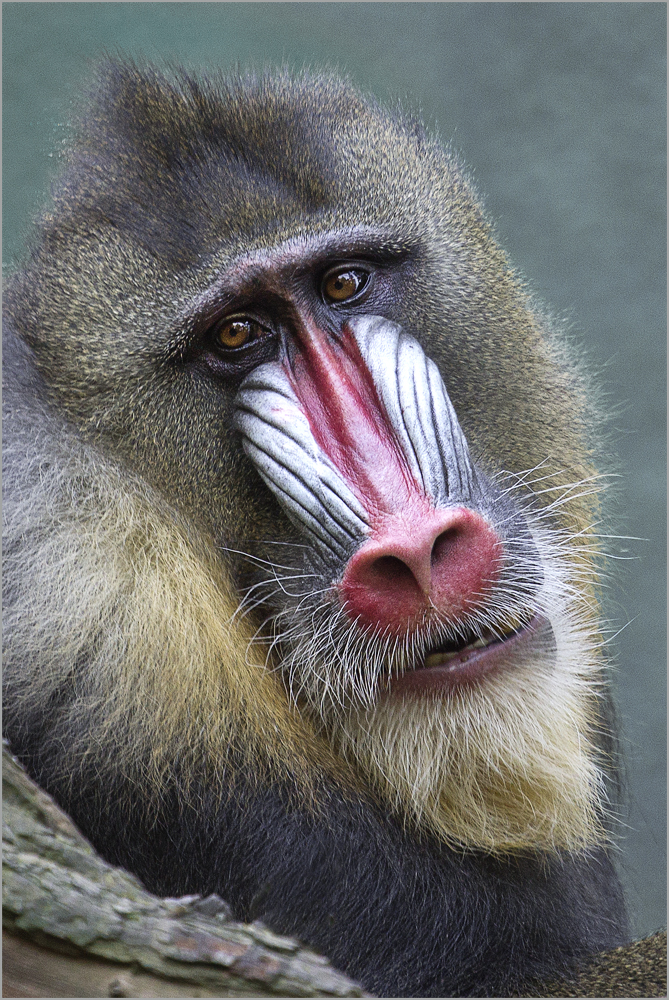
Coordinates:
[344,284]
[237,332]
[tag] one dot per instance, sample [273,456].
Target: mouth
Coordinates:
[453,664]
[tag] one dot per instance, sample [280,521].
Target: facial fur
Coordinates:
[508,761]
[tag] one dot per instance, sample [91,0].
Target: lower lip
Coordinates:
[465,668]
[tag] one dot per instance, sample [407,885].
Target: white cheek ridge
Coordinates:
[277,438]
[414,396]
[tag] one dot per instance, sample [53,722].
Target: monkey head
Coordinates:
[284,309]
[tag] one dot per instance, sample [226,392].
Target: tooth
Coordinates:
[501,634]
[434,659]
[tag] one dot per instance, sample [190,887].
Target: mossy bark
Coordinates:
[76,926]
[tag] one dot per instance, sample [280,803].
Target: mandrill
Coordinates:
[300,568]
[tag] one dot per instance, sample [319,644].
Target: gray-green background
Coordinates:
[560,109]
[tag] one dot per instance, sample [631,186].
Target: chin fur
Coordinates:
[507,763]
[503,765]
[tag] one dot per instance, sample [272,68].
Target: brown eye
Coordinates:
[237,333]
[344,285]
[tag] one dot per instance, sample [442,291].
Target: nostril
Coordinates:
[388,569]
[443,545]
[441,561]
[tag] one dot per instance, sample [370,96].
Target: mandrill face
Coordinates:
[299,565]
[422,613]
[316,353]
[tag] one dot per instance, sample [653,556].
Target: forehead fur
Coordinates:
[177,162]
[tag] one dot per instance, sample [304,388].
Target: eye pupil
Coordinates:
[344,285]
[236,333]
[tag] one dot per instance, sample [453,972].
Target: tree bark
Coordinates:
[75,926]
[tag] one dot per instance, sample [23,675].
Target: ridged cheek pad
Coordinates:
[356,436]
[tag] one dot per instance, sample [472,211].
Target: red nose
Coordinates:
[445,560]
